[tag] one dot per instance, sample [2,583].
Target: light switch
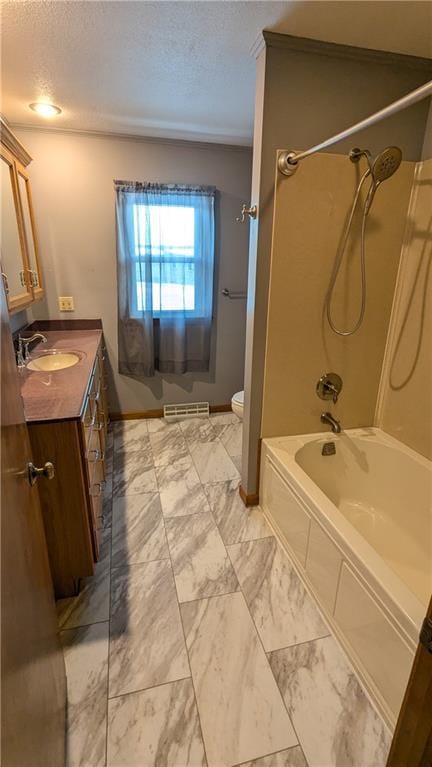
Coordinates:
[66,304]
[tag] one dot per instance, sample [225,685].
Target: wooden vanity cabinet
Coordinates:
[72,501]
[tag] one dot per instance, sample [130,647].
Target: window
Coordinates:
[165,272]
[167,259]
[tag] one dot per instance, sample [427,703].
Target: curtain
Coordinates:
[165,265]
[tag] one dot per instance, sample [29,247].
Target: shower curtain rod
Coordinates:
[288,162]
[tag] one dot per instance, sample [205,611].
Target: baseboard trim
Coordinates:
[220,408]
[252,499]
[131,415]
[249,499]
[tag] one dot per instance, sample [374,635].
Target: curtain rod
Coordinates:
[288,161]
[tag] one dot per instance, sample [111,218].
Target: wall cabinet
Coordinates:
[20,261]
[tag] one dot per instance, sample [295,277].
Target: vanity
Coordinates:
[64,390]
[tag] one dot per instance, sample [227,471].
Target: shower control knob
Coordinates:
[329,386]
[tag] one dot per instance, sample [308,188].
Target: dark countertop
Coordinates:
[59,395]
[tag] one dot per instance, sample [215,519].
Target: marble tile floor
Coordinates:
[195,643]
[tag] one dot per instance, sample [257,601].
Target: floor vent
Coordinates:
[190,410]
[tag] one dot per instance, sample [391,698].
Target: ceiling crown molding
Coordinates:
[11,142]
[113,136]
[320,47]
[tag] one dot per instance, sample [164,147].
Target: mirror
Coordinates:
[11,254]
[28,222]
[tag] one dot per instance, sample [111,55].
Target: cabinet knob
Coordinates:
[34,473]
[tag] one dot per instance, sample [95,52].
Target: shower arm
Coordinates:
[288,161]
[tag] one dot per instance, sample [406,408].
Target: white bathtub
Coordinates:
[358,525]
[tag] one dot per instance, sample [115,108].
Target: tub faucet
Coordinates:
[332,422]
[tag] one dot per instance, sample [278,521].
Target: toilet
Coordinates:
[237,403]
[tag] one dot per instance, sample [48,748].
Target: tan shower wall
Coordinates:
[310,212]
[406,393]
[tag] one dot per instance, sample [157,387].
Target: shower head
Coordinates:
[386,163]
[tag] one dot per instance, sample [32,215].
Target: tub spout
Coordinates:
[332,422]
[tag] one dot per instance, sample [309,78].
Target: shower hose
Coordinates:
[340,255]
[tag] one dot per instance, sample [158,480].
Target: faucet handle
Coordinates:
[329,386]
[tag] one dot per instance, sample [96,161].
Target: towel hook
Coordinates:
[245,211]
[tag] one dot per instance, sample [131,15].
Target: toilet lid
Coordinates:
[239,397]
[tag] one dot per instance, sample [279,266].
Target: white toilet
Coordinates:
[237,403]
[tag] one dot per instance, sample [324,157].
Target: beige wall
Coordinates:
[72,180]
[308,95]
[405,408]
[310,212]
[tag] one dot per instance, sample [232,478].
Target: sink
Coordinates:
[54,360]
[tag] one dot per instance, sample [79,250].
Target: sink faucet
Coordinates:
[23,345]
[332,422]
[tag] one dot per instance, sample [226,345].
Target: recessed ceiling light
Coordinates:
[45,110]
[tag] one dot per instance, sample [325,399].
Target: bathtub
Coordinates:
[358,527]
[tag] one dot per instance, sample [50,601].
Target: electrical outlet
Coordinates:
[66,304]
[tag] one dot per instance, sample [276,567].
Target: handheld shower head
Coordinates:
[385,164]
[380,169]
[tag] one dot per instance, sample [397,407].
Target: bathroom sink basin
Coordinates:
[54,360]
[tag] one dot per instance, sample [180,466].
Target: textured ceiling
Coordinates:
[180,69]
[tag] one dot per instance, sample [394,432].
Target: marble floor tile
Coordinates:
[160,424]
[133,475]
[236,522]
[200,562]
[292,757]
[130,435]
[92,603]
[107,498]
[333,718]
[167,447]
[212,462]
[86,659]
[231,436]
[155,728]
[197,430]
[110,437]
[241,710]
[283,611]
[109,464]
[107,487]
[136,448]
[138,531]
[181,492]
[107,504]
[221,419]
[146,639]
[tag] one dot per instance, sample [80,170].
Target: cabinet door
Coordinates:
[13,250]
[28,221]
